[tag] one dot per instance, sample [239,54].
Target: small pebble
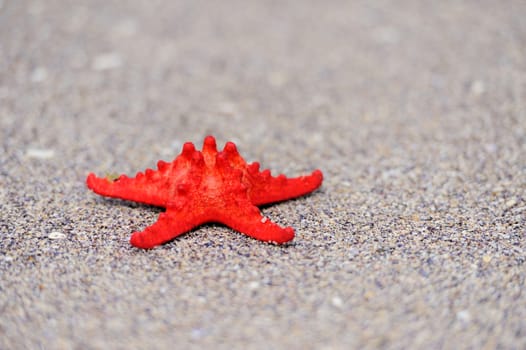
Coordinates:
[253,285]
[56,235]
[40,153]
[38,75]
[337,301]
[463,316]
[107,61]
[197,333]
[277,79]
[368,295]
[511,203]
[477,88]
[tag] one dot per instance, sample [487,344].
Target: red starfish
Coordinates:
[208,186]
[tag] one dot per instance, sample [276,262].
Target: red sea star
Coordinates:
[208,186]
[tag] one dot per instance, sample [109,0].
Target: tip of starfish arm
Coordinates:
[287,235]
[89,179]
[92,181]
[275,234]
[318,175]
[138,240]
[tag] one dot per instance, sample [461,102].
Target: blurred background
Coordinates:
[414,110]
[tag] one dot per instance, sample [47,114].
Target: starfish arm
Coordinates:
[134,189]
[169,225]
[246,218]
[268,189]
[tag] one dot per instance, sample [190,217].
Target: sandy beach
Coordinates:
[415,111]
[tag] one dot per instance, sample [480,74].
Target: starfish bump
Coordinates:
[207,186]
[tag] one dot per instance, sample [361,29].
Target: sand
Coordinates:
[415,112]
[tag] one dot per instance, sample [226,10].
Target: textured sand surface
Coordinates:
[414,110]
